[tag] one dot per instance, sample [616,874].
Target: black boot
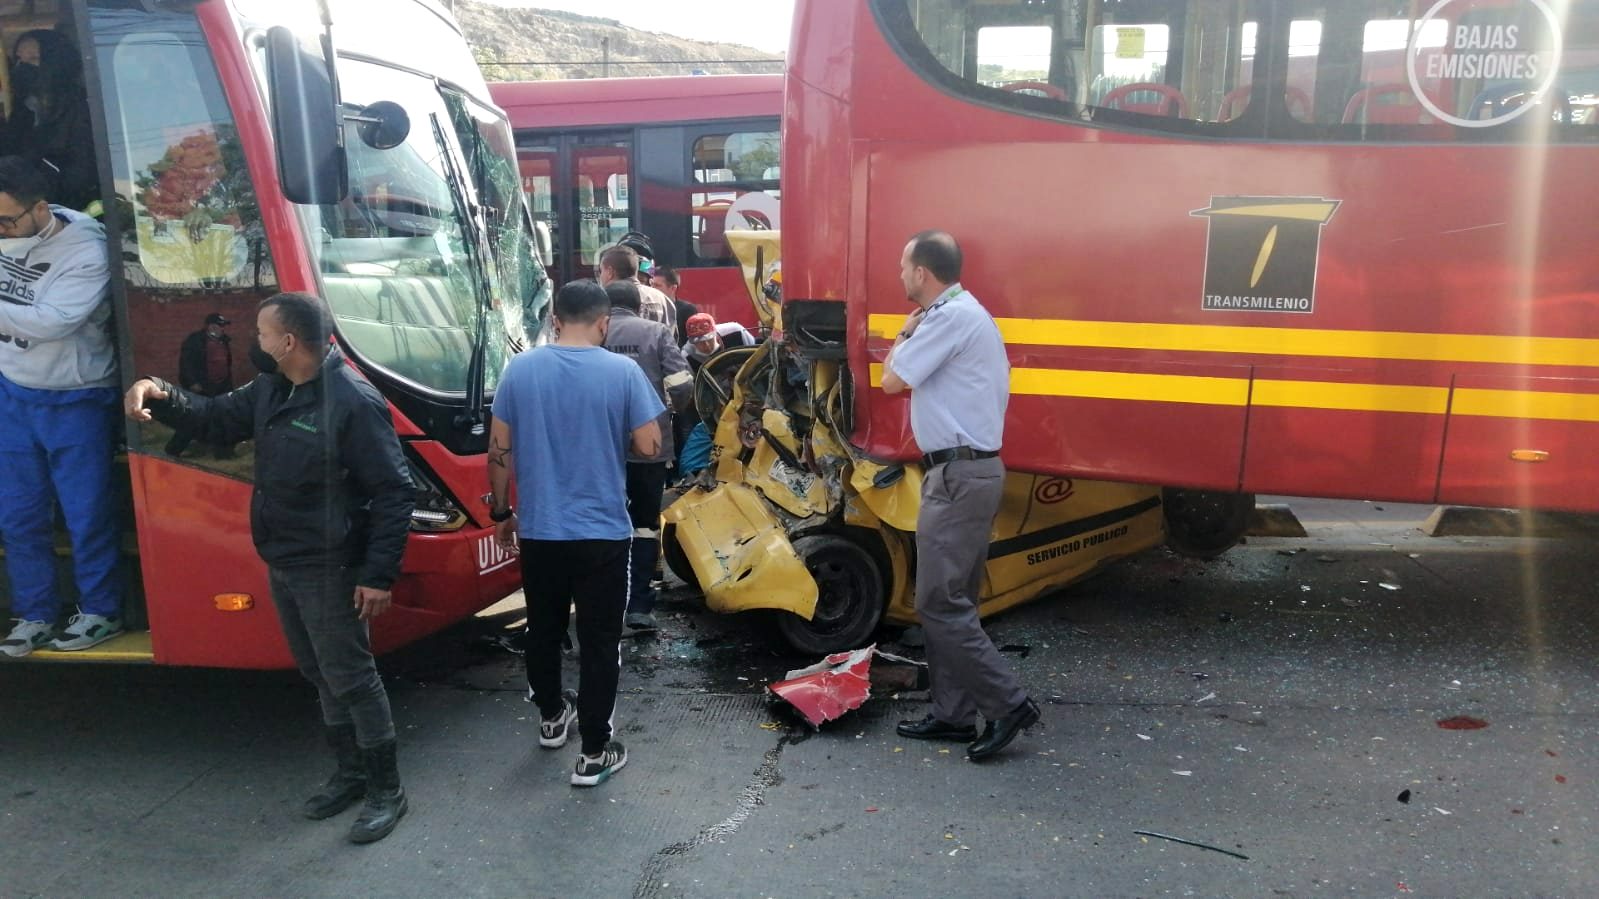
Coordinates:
[385,799]
[347,784]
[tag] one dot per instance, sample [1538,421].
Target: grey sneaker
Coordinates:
[641,622]
[26,637]
[84,631]
[554,731]
[592,770]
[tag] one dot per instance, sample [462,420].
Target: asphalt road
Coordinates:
[1277,703]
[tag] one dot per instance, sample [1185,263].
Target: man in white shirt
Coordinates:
[952,358]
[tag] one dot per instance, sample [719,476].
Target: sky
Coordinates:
[762,24]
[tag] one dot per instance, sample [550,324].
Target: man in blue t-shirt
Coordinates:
[565,416]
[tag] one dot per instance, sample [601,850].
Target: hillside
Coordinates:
[501,35]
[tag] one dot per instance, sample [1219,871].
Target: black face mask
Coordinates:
[24,78]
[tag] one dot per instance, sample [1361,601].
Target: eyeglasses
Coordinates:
[8,222]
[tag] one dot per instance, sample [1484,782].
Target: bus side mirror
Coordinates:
[542,244]
[306,126]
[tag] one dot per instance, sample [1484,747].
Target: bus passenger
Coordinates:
[650,345]
[951,357]
[58,397]
[564,416]
[330,514]
[49,120]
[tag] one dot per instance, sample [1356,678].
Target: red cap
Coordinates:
[699,325]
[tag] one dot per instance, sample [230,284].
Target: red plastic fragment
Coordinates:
[1551,753]
[829,688]
[871,808]
[1462,722]
[1560,778]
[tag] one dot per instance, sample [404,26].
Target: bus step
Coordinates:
[133,646]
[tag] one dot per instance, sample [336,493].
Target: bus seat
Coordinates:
[712,243]
[1237,100]
[1168,100]
[1035,88]
[1501,98]
[1385,104]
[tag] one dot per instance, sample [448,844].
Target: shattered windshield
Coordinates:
[521,296]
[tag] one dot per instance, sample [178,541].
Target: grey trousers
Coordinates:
[332,648]
[959,502]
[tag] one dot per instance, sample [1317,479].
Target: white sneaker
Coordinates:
[84,631]
[554,731]
[593,770]
[26,637]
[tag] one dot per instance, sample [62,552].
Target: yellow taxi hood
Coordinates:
[757,253]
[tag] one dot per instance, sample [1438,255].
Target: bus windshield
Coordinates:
[393,255]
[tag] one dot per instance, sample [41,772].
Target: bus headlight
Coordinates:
[433,511]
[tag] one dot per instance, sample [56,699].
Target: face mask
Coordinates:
[18,247]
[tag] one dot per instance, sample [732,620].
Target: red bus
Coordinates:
[682,159]
[415,233]
[1338,248]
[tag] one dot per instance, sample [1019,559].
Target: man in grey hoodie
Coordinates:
[58,400]
[650,344]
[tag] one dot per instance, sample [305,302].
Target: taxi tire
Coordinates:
[676,559]
[850,598]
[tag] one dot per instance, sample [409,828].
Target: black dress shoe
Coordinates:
[931,728]
[998,734]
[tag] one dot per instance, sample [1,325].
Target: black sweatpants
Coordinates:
[593,575]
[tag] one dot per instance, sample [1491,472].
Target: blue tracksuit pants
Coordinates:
[56,446]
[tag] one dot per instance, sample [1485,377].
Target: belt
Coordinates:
[956,454]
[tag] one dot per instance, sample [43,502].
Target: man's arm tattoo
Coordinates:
[497,453]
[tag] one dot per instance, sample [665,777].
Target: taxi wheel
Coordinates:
[1203,524]
[849,600]
[676,559]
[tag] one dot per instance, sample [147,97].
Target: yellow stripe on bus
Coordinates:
[1416,399]
[1527,404]
[1356,397]
[1414,345]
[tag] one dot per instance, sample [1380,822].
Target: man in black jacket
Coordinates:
[329,515]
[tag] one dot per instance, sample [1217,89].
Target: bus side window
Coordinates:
[735,187]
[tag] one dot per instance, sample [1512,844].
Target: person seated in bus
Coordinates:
[665,279]
[49,121]
[706,338]
[205,366]
[621,262]
[58,392]
[650,345]
[330,514]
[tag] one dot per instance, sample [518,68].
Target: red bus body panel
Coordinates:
[193,525]
[630,103]
[608,102]
[1066,227]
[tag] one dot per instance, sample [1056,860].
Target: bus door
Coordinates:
[580,184]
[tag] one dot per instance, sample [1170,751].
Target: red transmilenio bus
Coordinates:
[1338,248]
[215,124]
[682,159]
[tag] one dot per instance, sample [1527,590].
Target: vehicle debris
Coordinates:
[1162,836]
[843,681]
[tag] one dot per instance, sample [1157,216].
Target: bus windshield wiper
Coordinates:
[470,213]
